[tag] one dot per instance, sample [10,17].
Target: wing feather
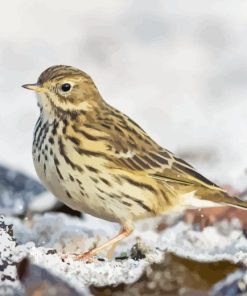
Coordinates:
[133,150]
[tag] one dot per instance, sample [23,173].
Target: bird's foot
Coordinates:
[87,257]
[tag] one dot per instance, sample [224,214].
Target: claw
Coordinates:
[87,257]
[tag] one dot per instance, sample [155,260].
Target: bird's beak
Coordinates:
[36,87]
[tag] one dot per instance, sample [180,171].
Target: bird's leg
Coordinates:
[110,252]
[125,231]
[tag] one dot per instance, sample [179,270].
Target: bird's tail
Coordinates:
[222,197]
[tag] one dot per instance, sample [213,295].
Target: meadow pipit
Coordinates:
[95,159]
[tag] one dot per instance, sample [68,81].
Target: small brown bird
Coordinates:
[95,159]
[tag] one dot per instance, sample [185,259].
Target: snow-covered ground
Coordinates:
[177,67]
[46,238]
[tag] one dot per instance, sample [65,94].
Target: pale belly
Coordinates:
[75,192]
[97,194]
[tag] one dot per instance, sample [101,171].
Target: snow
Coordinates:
[8,273]
[223,241]
[45,233]
[99,274]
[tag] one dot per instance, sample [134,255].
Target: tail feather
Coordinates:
[222,197]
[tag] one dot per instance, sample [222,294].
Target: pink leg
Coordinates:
[125,231]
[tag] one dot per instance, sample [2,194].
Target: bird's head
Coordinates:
[64,89]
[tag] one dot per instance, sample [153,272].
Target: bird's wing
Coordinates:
[164,166]
[132,149]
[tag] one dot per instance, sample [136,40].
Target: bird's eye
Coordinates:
[66,87]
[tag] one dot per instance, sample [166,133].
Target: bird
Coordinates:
[96,159]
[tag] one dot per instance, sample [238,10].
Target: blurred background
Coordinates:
[179,68]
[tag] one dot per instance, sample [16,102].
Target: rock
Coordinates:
[53,233]
[235,284]
[223,241]
[9,284]
[137,252]
[174,276]
[209,216]
[20,193]
[202,258]
[15,267]
[16,191]
[39,281]
[62,208]
[46,202]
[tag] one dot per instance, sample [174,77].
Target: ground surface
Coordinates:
[170,255]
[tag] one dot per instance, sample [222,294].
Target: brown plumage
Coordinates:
[96,159]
